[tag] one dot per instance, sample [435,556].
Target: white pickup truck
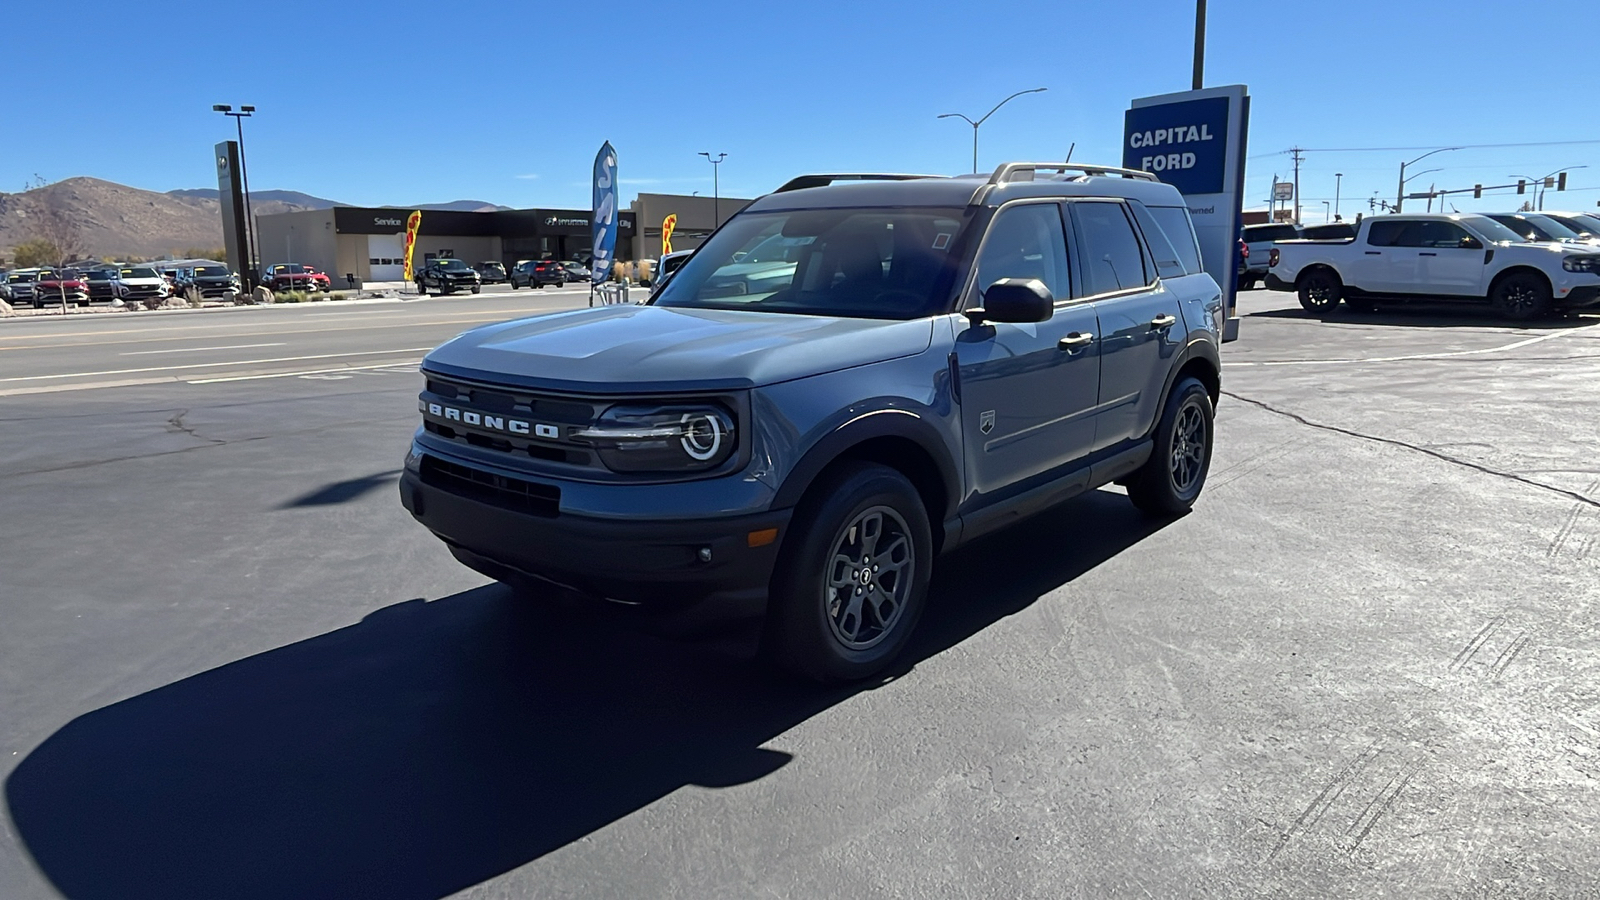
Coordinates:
[1438,257]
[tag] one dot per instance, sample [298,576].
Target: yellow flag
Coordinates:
[412,224]
[667,226]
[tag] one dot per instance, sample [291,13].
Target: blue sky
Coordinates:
[394,103]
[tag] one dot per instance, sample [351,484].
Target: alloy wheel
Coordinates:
[869,578]
[1188,448]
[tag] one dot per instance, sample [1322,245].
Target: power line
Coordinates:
[1395,149]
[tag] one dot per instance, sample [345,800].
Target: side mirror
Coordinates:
[1471,243]
[1014,300]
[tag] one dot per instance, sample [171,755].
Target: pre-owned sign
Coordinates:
[1185,143]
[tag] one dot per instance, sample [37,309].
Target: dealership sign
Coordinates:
[1195,141]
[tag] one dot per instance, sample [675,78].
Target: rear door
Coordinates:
[1028,390]
[1369,261]
[1141,322]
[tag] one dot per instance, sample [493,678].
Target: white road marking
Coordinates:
[237,362]
[197,349]
[1348,360]
[388,367]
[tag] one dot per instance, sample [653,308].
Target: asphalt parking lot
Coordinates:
[1366,665]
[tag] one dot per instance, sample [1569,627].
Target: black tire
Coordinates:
[422,288]
[813,631]
[1170,482]
[1319,290]
[1246,283]
[476,289]
[561,284]
[1521,297]
[513,284]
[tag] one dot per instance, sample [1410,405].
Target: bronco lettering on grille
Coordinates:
[487,422]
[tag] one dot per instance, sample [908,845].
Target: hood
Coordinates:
[653,348]
[1531,248]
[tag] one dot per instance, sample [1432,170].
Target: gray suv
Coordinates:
[938,358]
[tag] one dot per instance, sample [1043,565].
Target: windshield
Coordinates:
[863,263]
[1490,230]
[290,269]
[452,265]
[22,278]
[1581,224]
[139,273]
[209,270]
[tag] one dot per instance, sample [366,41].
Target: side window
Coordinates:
[1026,241]
[1112,259]
[1383,234]
[1446,235]
[1175,222]
[1168,265]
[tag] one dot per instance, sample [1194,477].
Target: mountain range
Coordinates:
[118,220]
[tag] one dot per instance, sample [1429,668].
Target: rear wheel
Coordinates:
[1170,481]
[1320,290]
[853,575]
[1521,297]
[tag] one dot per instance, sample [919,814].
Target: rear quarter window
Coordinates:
[1178,229]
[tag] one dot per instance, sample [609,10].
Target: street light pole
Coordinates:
[1400,190]
[1199,43]
[985,118]
[1538,184]
[1338,181]
[716,188]
[252,264]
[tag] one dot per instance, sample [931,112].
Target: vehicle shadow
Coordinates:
[1424,314]
[438,744]
[344,491]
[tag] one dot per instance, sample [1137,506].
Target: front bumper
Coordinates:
[691,571]
[1582,297]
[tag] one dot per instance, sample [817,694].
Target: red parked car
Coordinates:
[289,277]
[324,283]
[64,286]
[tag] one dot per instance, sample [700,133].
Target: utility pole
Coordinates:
[1338,181]
[1296,151]
[1199,44]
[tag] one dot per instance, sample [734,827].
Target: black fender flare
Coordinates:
[1193,350]
[887,421]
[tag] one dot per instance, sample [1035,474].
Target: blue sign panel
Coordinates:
[604,221]
[1185,143]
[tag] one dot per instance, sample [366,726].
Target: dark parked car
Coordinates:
[446,276]
[209,280]
[577,271]
[102,283]
[289,277]
[491,272]
[536,273]
[942,358]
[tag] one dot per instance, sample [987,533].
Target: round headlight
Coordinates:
[676,438]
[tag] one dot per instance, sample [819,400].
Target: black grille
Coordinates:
[566,414]
[486,487]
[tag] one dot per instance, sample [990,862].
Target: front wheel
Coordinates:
[852,576]
[476,289]
[1169,482]
[1522,297]
[422,288]
[1320,290]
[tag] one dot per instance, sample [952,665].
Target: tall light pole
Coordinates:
[985,118]
[716,187]
[1199,43]
[1338,181]
[1538,183]
[1400,191]
[244,173]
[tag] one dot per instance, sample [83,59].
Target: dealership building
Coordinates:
[368,243]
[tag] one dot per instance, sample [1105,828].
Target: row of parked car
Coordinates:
[1526,265]
[132,283]
[446,276]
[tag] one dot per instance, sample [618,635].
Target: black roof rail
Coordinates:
[810,181]
[1004,174]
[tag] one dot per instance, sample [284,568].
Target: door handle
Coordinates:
[1374,253]
[1165,320]
[1074,340]
[1427,254]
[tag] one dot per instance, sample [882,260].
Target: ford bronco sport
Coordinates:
[938,358]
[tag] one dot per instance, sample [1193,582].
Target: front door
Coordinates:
[1028,391]
[1449,259]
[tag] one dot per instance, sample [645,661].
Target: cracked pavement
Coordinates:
[1366,665]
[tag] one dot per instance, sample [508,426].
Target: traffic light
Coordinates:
[1477,192]
[1522,186]
[1561,182]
